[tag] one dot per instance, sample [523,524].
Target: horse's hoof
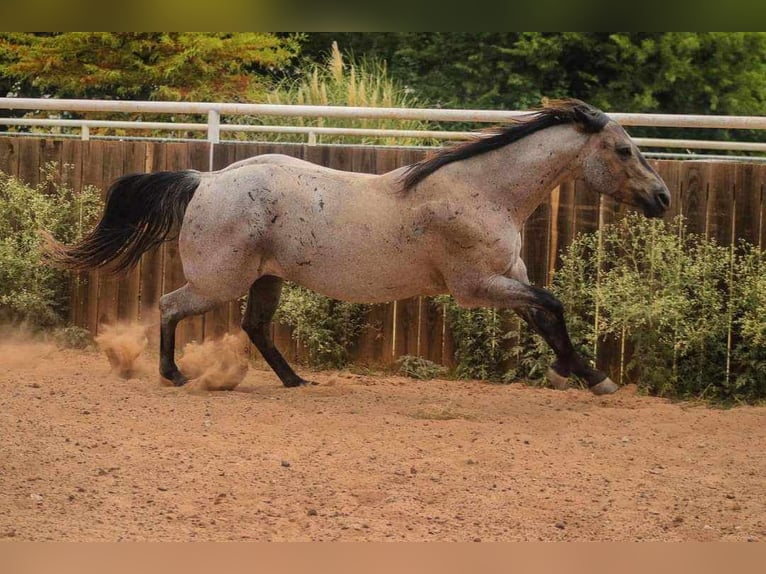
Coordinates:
[605,387]
[176,379]
[297,383]
[559,382]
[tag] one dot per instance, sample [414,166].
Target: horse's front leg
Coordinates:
[545,314]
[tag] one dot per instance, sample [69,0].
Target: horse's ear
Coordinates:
[589,118]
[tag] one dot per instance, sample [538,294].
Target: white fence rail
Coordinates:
[214,127]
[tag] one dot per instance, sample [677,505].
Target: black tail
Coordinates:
[141,211]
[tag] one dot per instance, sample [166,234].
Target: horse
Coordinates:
[449,224]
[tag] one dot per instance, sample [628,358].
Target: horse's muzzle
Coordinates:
[658,203]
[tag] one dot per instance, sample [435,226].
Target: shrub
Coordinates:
[328,328]
[690,314]
[420,368]
[686,315]
[30,291]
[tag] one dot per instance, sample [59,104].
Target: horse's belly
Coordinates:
[366,282]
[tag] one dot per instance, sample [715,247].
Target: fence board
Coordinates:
[747,195]
[720,204]
[9,155]
[431,330]
[562,224]
[30,160]
[694,189]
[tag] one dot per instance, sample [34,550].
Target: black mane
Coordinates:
[556,112]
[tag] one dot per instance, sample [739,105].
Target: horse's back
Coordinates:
[277,159]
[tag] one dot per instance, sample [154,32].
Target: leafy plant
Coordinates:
[420,368]
[30,291]
[689,313]
[328,328]
[481,338]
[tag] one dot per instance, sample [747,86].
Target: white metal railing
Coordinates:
[214,127]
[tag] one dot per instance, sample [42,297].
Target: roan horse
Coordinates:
[448,224]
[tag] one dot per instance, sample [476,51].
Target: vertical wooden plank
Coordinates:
[29,162]
[720,203]
[407,327]
[363,160]
[387,335]
[694,179]
[431,330]
[670,172]
[761,183]
[50,163]
[9,155]
[71,164]
[747,203]
[369,348]
[586,210]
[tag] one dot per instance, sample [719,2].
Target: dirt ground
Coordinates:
[86,455]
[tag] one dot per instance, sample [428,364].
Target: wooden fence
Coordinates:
[718,199]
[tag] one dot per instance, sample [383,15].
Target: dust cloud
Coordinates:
[217,365]
[123,344]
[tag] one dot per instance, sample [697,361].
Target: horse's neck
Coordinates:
[519,176]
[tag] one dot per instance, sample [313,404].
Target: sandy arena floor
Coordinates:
[85,455]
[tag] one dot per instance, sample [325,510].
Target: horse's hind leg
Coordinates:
[175,306]
[262,303]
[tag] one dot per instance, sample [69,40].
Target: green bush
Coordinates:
[30,291]
[328,328]
[686,316]
[690,314]
[420,368]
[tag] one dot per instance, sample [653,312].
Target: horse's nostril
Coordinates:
[663,198]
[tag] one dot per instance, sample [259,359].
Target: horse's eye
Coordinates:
[624,151]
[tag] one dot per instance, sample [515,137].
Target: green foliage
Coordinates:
[190,66]
[420,368]
[328,328]
[30,291]
[691,313]
[481,338]
[673,72]
[339,81]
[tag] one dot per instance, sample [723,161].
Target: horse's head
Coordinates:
[613,165]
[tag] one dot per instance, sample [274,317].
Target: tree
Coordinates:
[143,65]
[673,72]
